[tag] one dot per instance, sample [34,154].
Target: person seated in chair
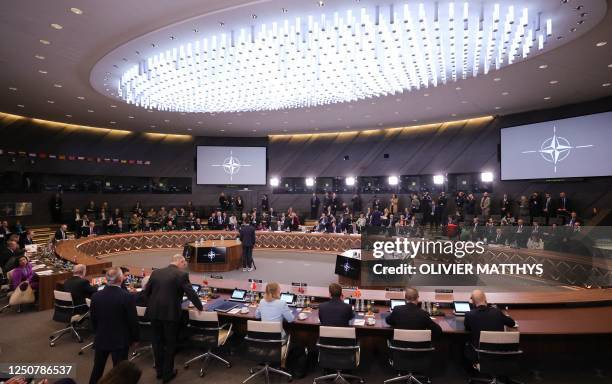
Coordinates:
[411,316]
[272,308]
[335,312]
[79,287]
[24,273]
[120,228]
[482,318]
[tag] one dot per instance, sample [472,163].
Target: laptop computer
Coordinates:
[238,295]
[288,298]
[396,302]
[461,308]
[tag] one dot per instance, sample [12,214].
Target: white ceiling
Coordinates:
[576,69]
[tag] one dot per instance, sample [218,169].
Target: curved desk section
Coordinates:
[90,251]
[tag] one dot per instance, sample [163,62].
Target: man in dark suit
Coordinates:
[9,255]
[78,286]
[563,207]
[548,209]
[411,316]
[115,322]
[26,238]
[335,312]
[164,292]
[90,230]
[314,206]
[483,318]
[246,234]
[60,234]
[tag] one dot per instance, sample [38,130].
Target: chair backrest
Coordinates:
[64,306]
[144,324]
[499,353]
[265,341]
[338,348]
[411,350]
[204,328]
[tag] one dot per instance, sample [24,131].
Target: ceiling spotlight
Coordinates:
[497,79]
[349,181]
[57,85]
[113,122]
[80,98]
[56,26]
[13,88]
[438,179]
[274,182]
[39,57]
[50,101]
[601,43]
[505,93]
[553,82]
[113,106]
[284,10]
[543,66]
[76,11]
[497,108]
[609,65]
[309,181]
[486,177]
[68,115]
[393,180]
[130,117]
[605,85]
[45,42]
[21,105]
[321,3]
[547,98]
[90,110]
[253,16]
[42,71]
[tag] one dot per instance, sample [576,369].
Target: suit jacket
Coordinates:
[485,318]
[246,234]
[335,313]
[114,319]
[410,316]
[79,288]
[60,235]
[165,291]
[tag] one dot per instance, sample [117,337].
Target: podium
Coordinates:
[214,255]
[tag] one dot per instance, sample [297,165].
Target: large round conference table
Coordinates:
[554,321]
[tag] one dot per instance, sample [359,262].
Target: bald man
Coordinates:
[411,316]
[483,318]
[79,287]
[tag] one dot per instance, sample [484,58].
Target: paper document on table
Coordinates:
[359,322]
[234,311]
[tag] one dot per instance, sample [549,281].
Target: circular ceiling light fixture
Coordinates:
[327,55]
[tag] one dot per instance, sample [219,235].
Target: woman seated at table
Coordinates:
[23,273]
[272,308]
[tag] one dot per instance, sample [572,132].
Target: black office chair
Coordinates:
[208,335]
[267,346]
[338,350]
[145,334]
[86,316]
[68,313]
[412,352]
[498,357]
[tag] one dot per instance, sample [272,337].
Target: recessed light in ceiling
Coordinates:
[497,79]
[547,98]
[321,3]
[222,130]
[396,112]
[76,11]
[458,88]
[166,121]
[543,66]
[113,106]
[152,126]
[464,102]
[426,94]
[414,120]
[254,130]
[609,65]
[68,115]
[50,101]
[505,93]
[12,88]
[56,26]
[45,42]
[150,110]
[284,10]
[113,122]
[229,123]
[130,117]
[453,114]
[553,82]
[497,107]
[39,57]
[21,105]
[189,129]
[90,110]
[42,71]
[80,98]
[57,85]
[605,85]
[601,43]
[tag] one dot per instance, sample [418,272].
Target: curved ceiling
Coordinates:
[54,62]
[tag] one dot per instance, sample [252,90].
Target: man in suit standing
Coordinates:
[246,234]
[485,206]
[115,322]
[335,312]
[314,206]
[505,205]
[563,208]
[78,286]
[411,316]
[547,209]
[164,293]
